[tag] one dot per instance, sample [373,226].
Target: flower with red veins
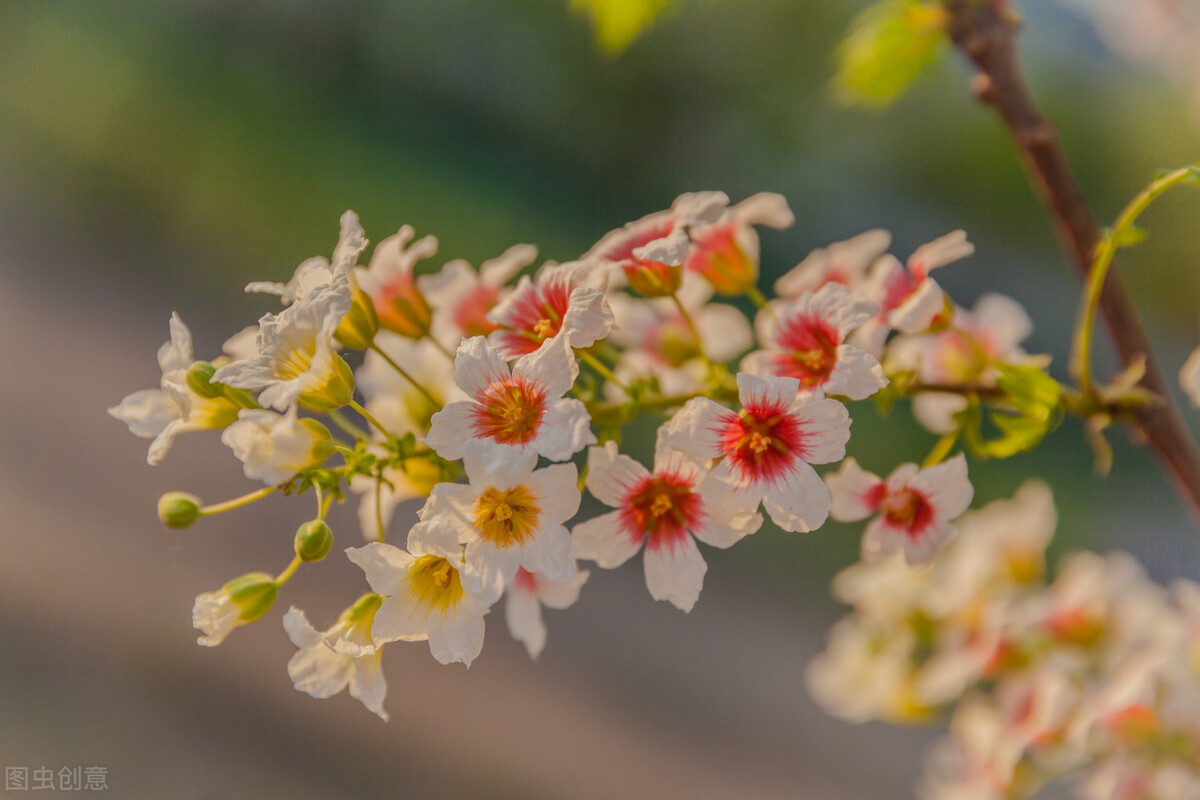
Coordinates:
[909,300]
[429,595]
[651,251]
[726,252]
[841,262]
[805,339]
[512,415]
[509,517]
[526,595]
[563,298]
[767,448]
[462,298]
[914,506]
[967,352]
[388,281]
[664,510]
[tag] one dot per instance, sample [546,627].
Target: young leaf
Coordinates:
[888,46]
[619,22]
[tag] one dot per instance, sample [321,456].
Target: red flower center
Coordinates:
[812,349]
[909,510]
[762,447]
[536,314]
[509,412]
[661,508]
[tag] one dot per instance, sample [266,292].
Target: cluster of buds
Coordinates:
[1095,674]
[494,398]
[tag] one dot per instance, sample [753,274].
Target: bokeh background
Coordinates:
[156,157]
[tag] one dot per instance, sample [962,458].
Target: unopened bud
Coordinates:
[199,380]
[335,392]
[358,328]
[402,309]
[178,509]
[313,540]
[653,278]
[253,594]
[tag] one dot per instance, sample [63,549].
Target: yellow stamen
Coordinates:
[507,517]
[759,443]
[544,329]
[660,505]
[434,583]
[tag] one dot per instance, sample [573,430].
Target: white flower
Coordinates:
[915,506]
[767,449]
[509,517]
[562,298]
[274,447]
[319,271]
[806,339]
[841,262]
[164,413]
[426,597]
[242,600]
[525,597]
[664,510]
[726,252]
[512,415]
[388,281]
[393,399]
[297,360]
[343,656]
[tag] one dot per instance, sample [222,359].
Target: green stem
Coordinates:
[754,294]
[441,348]
[374,422]
[691,325]
[237,502]
[286,575]
[598,365]
[339,419]
[940,450]
[406,375]
[1081,351]
[658,403]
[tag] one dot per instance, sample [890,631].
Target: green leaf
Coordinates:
[619,22]
[1030,411]
[888,46]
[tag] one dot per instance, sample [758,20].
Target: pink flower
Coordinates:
[726,252]
[563,298]
[768,447]
[914,506]
[909,300]
[462,298]
[389,282]
[841,262]
[805,339]
[659,509]
[512,415]
[652,250]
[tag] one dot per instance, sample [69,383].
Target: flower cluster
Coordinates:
[1094,674]
[496,399]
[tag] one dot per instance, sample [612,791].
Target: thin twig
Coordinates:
[986,33]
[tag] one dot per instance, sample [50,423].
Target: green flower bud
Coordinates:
[199,380]
[322,446]
[253,593]
[337,390]
[313,540]
[178,509]
[358,328]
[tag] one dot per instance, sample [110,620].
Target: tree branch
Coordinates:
[986,32]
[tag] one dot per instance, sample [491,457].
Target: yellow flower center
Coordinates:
[661,505]
[434,583]
[507,517]
[758,442]
[544,329]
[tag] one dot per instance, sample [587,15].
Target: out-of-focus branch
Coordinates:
[985,31]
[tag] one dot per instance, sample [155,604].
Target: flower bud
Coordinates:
[199,380]
[253,594]
[724,262]
[402,309]
[313,540]
[653,278]
[358,328]
[178,509]
[335,392]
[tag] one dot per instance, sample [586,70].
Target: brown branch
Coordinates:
[986,33]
